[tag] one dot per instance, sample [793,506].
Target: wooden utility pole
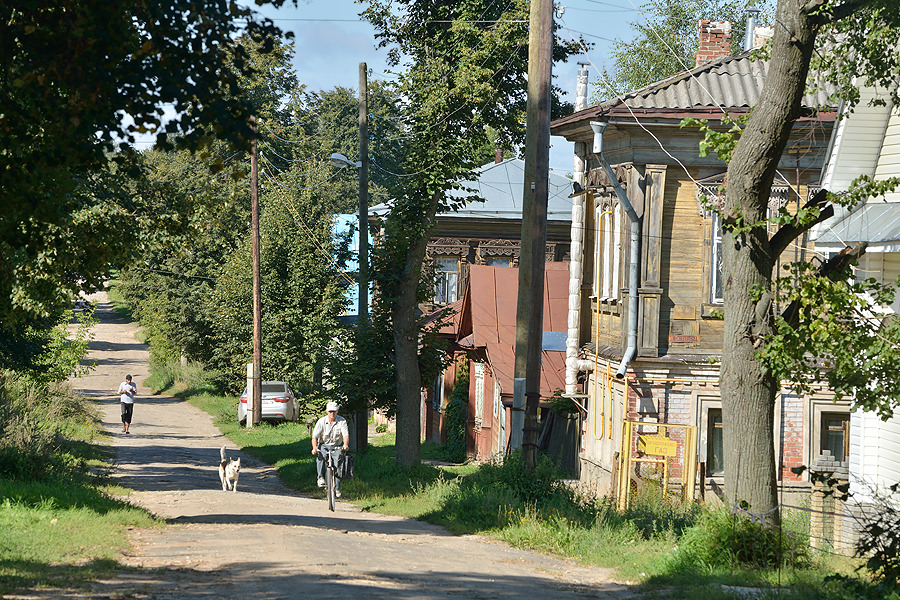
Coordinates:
[362,417]
[257,282]
[530,307]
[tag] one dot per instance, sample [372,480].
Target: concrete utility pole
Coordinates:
[530,307]
[362,417]
[257,282]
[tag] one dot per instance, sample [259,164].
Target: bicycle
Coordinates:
[330,474]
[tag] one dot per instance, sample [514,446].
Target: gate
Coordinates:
[657,448]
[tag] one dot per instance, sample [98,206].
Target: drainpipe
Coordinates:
[574,365]
[599,127]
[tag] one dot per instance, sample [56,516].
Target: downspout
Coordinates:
[574,365]
[634,257]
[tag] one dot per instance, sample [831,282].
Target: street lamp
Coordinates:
[340,161]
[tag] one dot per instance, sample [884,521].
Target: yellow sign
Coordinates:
[657,445]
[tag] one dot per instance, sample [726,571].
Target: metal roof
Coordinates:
[501,186]
[876,223]
[489,321]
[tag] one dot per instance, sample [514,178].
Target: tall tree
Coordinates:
[666,41]
[69,71]
[464,65]
[855,38]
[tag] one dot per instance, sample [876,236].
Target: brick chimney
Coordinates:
[498,156]
[715,41]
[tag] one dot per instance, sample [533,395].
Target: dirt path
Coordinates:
[267,541]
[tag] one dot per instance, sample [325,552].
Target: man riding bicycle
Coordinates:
[333,436]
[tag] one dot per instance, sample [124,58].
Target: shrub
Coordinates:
[722,539]
[879,540]
[456,413]
[32,416]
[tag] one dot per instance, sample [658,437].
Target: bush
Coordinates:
[879,541]
[32,417]
[722,539]
[455,415]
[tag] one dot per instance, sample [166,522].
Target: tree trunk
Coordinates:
[406,344]
[748,392]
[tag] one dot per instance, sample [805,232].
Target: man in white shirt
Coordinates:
[126,392]
[333,435]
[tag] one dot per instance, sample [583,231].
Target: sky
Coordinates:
[330,40]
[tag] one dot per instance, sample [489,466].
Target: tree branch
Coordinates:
[791,231]
[831,268]
[836,13]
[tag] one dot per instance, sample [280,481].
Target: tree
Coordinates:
[854,38]
[70,70]
[464,70]
[666,41]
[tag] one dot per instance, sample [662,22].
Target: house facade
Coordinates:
[486,234]
[867,142]
[489,232]
[645,325]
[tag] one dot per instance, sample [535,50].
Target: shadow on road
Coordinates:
[240,579]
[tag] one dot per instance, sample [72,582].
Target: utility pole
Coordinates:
[362,417]
[530,306]
[257,282]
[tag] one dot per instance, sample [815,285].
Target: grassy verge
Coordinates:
[674,550]
[60,520]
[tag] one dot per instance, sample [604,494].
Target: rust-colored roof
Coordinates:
[449,325]
[489,317]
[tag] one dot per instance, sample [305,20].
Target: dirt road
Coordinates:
[267,541]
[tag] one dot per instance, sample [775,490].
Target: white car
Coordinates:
[278,403]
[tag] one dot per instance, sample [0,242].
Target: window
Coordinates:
[498,261]
[715,451]
[835,434]
[715,284]
[608,252]
[446,282]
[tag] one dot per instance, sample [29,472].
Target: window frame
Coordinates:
[442,280]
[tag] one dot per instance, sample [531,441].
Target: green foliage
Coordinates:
[861,46]
[71,69]
[666,41]
[559,403]
[457,413]
[36,414]
[715,139]
[463,81]
[722,539]
[879,541]
[840,330]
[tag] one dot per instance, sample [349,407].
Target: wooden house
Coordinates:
[655,360]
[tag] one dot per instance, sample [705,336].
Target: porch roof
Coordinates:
[877,223]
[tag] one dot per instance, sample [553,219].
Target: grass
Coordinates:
[61,521]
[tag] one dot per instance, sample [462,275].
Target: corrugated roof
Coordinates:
[873,223]
[501,186]
[731,82]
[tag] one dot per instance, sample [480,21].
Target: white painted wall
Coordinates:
[889,159]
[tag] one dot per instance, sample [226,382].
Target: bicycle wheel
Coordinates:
[329,485]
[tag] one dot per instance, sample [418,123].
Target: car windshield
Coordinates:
[273,388]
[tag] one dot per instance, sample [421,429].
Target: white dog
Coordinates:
[229,470]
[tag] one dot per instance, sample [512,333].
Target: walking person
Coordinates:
[126,392]
[332,433]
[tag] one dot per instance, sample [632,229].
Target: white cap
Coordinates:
[331,406]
